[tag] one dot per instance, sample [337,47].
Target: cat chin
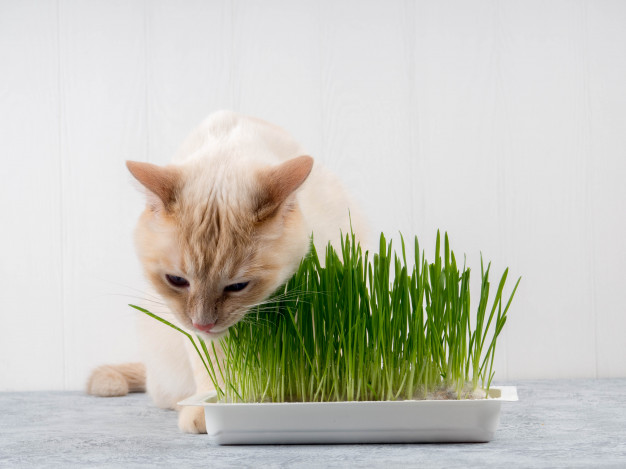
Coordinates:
[212,335]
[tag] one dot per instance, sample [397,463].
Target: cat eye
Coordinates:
[235,287]
[175,281]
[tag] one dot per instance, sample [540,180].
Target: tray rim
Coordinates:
[507,394]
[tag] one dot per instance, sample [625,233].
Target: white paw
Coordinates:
[106,381]
[191,420]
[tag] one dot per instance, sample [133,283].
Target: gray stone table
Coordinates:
[573,423]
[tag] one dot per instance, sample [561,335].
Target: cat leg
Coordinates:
[191,418]
[173,371]
[169,376]
[117,380]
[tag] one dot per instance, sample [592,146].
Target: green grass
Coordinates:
[354,328]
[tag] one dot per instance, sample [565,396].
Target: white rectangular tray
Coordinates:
[422,421]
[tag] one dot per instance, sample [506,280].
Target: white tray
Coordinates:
[425,421]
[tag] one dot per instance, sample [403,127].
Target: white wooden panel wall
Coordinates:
[32,327]
[503,123]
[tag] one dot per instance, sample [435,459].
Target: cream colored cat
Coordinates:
[225,225]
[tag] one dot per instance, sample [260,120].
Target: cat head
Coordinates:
[216,239]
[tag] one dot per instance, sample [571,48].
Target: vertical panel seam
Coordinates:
[62,231]
[146,55]
[501,185]
[322,128]
[411,39]
[416,156]
[587,158]
[235,103]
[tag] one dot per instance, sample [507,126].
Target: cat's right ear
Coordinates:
[161,183]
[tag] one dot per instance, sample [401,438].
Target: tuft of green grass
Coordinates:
[358,329]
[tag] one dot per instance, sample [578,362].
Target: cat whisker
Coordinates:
[292,294]
[143,292]
[270,305]
[264,322]
[163,313]
[139,298]
[277,299]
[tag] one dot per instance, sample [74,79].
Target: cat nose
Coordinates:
[203,327]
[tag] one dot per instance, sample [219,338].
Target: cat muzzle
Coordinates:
[204,327]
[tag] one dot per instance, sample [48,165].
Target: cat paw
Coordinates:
[105,381]
[191,420]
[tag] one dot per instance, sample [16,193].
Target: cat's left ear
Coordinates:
[161,182]
[279,182]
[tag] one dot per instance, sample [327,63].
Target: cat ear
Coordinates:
[161,182]
[279,182]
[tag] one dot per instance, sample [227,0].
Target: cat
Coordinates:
[225,224]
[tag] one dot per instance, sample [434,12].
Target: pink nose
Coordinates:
[204,327]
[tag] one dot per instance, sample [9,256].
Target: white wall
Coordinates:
[503,123]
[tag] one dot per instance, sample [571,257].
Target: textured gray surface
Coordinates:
[578,423]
